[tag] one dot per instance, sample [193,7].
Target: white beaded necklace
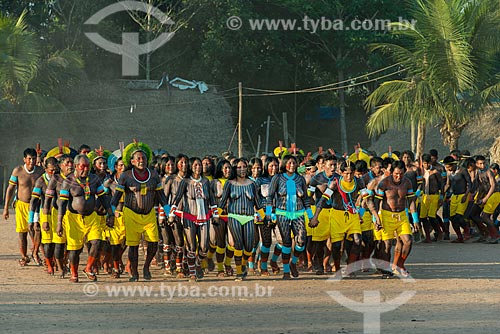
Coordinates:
[27,171]
[149,176]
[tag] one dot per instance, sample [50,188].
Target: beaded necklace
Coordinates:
[346,195]
[27,171]
[86,187]
[46,179]
[144,189]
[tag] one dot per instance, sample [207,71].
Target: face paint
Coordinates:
[241,169]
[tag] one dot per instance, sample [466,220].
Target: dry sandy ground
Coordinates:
[456,288]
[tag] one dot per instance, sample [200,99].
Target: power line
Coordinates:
[327,89]
[324,86]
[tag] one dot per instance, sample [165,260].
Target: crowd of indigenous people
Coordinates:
[224,216]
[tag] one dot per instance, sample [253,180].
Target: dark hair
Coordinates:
[50,161]
[433,152]
[179,157]
[480,158]
[494,166]
[29,152]
[426,158]
[252,162]
[310,163]
[191,162]
[449,160]
[329,157]
[469,162]
[285,160]
[455,152]
[83,147]
[155,162]
[410,154]
[375,160]
[398,164]
[235,165]
[361,166]
[265,171]
[320,157]
[218,169]
[163,164]
[344,165]
[386,162]
[64,157]
[211,171]
[116,164]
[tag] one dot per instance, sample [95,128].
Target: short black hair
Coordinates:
[344,165]
[329,157]
[469,162]
[399,164]
[361,166]
[375,160]
[29,152]
[310,163]
[50,161]
[426,158]
[410,154]
[433,152]
[83,147]
[64,157]
[449,160]
[386,162]
[480,158]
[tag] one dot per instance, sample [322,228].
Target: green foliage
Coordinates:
[451,67]
[29,80]
[19,57]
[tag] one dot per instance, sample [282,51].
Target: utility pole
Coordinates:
[258,147]
[240,120]
[267,133]
[285,128]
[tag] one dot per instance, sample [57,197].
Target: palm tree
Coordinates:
[29,80]
[448,57]
[19,57]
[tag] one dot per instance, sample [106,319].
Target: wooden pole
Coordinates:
[240,120]
[258,147]
[285,128]
[250,140]
[267,134]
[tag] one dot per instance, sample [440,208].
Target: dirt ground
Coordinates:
[456,289]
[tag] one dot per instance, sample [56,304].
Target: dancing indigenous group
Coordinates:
[193,216]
